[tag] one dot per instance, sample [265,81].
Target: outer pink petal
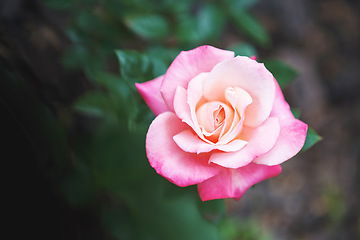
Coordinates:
[233,183]
[189,142]
[260,140]
[292,134]
[187,65]
[250,75]
[150,92]
[179,167]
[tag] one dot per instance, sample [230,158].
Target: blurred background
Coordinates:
[73,125]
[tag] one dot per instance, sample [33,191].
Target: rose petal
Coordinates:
[234,145]
[205,119]
[195,94]
[189,142]
[185,103]
[292,134]
[179,167]
[260,140]
[187,65]
[233,183]
[239,99]
[182,110]
[281,108]
[150,92]
[249,75]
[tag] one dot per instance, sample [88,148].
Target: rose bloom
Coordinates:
[221,122]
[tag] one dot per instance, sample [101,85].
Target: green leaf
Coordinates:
[161,57]
[179,218]
[213,210]
[159,66]
[283,72]
[149,26]
[296,112]
[113,83]
[250,26]
[186,30]
[106,105]
[240,4]
[243,49]
[176,6]
[135,67]
[205,26]
[311,138]
[120,169]
[210,21]
[95,103]
[234,229]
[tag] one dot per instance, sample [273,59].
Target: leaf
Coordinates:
[135,67]
[311,138]
[149,26]
[161,58]
[186,30]
[165,54]
[213,210]
[250,26]
[243,49]
[95,103]
[234,229]
[118,164]
[179,218]
[205,26]
[159,66]
[113,83]
[283,72]
[296,112]
[240,4]
[210,21]
[175,6]
[106,105]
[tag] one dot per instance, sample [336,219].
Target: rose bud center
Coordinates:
[219,116]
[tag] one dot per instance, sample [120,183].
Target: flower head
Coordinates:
[221,123]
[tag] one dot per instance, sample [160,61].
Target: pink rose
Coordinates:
[221,122]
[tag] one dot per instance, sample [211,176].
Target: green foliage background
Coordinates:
[117,43]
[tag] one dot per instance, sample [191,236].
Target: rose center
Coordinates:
[214,119]
[219,117]
[221,121]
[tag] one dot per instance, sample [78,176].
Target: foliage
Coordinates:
[311,138]
[110,173]
[233,229]
[283,73]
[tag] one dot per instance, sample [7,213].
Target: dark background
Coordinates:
[320,188]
